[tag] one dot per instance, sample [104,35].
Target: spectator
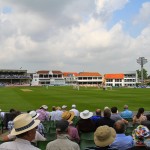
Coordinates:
[53,114]
[103,137]
[72,131]
[76,112]
[97,117]
[43,114]
[115,116]
[40,127]
[122,142]
[64,108]
[62,142]
[85,124]
[106,119]
[24,129]
[139,116]
[58,113]
[126,114]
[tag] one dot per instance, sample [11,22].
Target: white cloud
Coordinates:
[144,13]
[66,37]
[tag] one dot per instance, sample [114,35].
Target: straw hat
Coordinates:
[86,114]
[33,114]
[68,115]
[104,136]
[24,123]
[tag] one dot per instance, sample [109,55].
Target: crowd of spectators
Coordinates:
[109,128]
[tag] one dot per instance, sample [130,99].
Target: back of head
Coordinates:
[98,112]
[53,108]
[114,109]
[73,106]
[125,106]
[62,126]
[140,111]
[119,126]
[107,113]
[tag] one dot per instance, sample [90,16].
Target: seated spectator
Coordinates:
[53,114]
[40,127]
[85,124]
[140,134]
[126,114]
[64,108]
[106,119]
[139,117]
[38,135]
[97,116]
[43,115]
[76,112]
[72,131]
[8,117]
[24,129]
[115,116]
[58,113]
[62,142]
[122,142]
[103,137]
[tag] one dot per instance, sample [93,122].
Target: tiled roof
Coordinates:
[56,72]
[87,74]
[42,72]
[114,76]
[66,74]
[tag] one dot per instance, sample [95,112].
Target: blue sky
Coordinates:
[106,36]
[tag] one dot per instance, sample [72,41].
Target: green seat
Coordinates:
[46,125]
[86,143]
[50,136]
[75,120]
[52,126]
[129,130]
[87,136]
[42,144]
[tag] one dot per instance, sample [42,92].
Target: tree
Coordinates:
[145,75]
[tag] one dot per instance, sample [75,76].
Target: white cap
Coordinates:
[64,106]
[73,106]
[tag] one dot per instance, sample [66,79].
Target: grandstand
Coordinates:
[14,77]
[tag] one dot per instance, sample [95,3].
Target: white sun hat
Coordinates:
[34,114]
[23,123]
[73,106]
[64,106]
[44,107]
[86,114]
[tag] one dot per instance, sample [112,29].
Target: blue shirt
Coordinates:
[126,114]
[122,142]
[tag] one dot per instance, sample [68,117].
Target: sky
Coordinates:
[105,36]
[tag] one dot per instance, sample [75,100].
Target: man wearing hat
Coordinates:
[72,131]
[25,130]
[62,142]
[76,112]
[103,137]
[43,114]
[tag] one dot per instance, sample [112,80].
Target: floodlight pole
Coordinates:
[142,61]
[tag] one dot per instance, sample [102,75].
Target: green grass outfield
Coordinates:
[86,98]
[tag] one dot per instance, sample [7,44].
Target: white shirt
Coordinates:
[58,115]
[53,115]
[18,144]
[76,112]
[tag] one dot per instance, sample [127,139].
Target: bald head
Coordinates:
[98,112]
[119,126]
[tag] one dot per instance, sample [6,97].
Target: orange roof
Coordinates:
[114,76]
[66,74]
[91,74]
